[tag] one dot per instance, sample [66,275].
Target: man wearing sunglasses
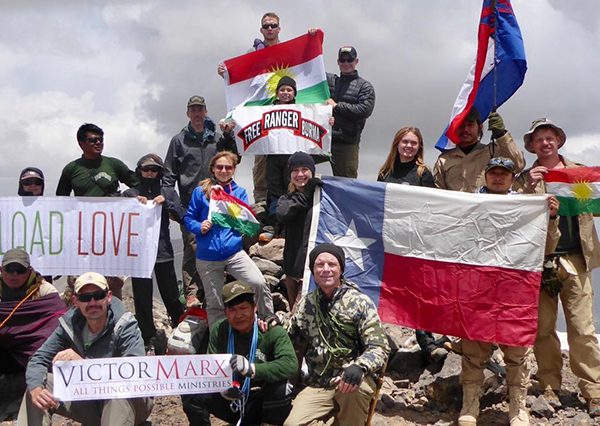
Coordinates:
[353,101]
[98,326]
[567,276]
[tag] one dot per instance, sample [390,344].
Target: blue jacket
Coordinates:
[120,337]
[218,243]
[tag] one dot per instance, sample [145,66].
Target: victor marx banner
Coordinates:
[128,377]
[283,129]
[73,235]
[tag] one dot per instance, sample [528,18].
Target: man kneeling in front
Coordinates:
[97,326]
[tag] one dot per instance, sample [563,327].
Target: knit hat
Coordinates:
[327,248]
[300,159]
[286,80]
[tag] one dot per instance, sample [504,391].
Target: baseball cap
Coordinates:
[91,278]
[31,174]
[349,50]
[235,289]
[16,255]
[539,123]
[196,100]
[505,163]
[150,161]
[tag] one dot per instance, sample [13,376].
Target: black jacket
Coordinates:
[406,173]
[355,99]
[172,206]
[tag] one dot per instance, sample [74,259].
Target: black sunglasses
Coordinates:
[15,268]
[95,140]
[150,169]
[223,166]
[346,60]
[96,295]
[29,182]
[267,26]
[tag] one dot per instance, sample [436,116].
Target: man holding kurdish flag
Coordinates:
[567,271]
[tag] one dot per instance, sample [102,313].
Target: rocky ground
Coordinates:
[413,392]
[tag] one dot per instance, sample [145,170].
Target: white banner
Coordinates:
[283,129]
[73,235]
[135,377]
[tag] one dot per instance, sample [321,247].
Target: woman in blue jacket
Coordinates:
[219,249]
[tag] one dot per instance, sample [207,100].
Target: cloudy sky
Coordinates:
[131,66]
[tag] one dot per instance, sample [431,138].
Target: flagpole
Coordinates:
[495,12]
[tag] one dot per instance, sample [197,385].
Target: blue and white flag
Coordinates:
[498,71]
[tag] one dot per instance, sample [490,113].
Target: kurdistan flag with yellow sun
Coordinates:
[231,212]
[252,78]
[577,189]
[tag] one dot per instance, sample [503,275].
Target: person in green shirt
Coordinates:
[261,363]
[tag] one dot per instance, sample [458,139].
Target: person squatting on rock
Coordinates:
[568,276]
[405,165]
[97,326]
[187,163]
[294,211]
[347,346]
[261,363]
[499,178]
[353,101]
[462,168]
[219,249]
[150,171]
[94,175]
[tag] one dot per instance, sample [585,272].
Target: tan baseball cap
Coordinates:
[16,255]
[91,278]
[540,122]
[235,289]
[31,174]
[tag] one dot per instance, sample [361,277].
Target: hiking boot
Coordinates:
[551,398]
[594,407]
[470,406]
[517,410]
[454,346]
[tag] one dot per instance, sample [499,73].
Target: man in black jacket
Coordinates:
[353,100]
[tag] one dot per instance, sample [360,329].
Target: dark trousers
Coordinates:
[169,291]
[278,179]
[270,404]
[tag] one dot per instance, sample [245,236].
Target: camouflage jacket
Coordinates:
[345,330]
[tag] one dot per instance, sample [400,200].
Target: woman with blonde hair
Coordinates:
[219,249]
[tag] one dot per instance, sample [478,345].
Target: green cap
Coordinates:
[235,289]
[197,100]
[16,255]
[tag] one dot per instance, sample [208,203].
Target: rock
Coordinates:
[280,303]
[272,250]
[272,282]
[267,267]
[445,392]
[541,408]
[402,383]
[407,364]
[581,419]
[12,389]
[388,400]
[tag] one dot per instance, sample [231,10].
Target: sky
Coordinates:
[130,67]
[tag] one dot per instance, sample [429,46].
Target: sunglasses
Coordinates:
[272,26]
[96,295]
[151,169]
[501,162]
[15,268]
[346,60]
[29,182]
[223,166]
[95,140]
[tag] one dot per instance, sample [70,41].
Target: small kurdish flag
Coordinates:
[231,212]
[577,189]
[252,78]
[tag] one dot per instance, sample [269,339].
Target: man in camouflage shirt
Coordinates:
[347,345]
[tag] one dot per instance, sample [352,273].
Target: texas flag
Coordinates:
[459,264]
[498,71]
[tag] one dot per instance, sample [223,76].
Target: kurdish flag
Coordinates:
[577,189]
[231,212]
[252,78]
[455,263]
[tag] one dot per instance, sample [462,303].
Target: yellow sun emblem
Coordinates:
[582,190]
[234,210]
[277,72]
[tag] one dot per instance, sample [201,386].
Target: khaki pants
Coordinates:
[313,406]
[476,354]
[189,274]
[113,412]
[344,159]
[577,301]
[259,178]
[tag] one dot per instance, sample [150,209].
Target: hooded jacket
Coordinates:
[189,154]
[21,190]
[218,243]
[120,337]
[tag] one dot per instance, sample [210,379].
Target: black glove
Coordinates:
[232,393]
[496,125]
[312,184]
[353,375]
[240,365]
